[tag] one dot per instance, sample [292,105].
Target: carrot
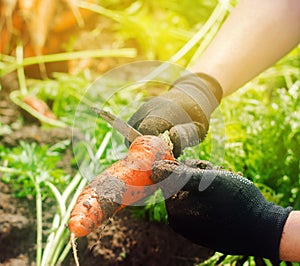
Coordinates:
[112,190]
[108,192]
[7,8]
[68,19]
[6,11]
[26,7]
[39,106]
[75,10]
[39,22]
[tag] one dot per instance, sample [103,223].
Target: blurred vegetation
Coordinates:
[255,131]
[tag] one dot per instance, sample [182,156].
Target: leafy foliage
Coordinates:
[34,166]
[154,209]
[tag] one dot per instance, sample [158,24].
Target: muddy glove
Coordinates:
[223,211]
[184,110]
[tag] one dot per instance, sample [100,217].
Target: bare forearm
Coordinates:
[255,35]
[290,240]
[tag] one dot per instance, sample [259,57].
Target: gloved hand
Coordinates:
[223,211]
[184,110]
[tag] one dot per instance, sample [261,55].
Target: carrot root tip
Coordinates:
[73,244]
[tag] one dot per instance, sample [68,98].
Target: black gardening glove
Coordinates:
[223,211]
[184,110]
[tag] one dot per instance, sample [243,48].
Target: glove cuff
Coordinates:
[272,223]
[213,85]
[202,89]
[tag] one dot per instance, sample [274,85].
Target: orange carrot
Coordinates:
[39,22]
[39,106]
[75,10]
[6,11]
[71,18]
[26,7]
[7,8]
[112,190]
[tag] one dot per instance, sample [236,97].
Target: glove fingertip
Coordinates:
[186,135]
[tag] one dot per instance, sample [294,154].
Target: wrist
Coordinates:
[203,82]
[202,90]
[290,239]
[213,85]
[269,228]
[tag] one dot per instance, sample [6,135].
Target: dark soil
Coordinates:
[124,241]
[17,231]
[130,241]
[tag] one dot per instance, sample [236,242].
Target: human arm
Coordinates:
[226,212]
[255,35]
[290,240]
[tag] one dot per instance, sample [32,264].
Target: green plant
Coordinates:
[220,259]
[154,209]
[163,31]
[35,165]
[4,129]
[9,64]
[64,91]
[31,170]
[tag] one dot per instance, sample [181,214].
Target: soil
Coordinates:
[124,241]
[131,241]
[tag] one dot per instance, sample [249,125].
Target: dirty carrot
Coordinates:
[123,183]
[39,23]
[39,106]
